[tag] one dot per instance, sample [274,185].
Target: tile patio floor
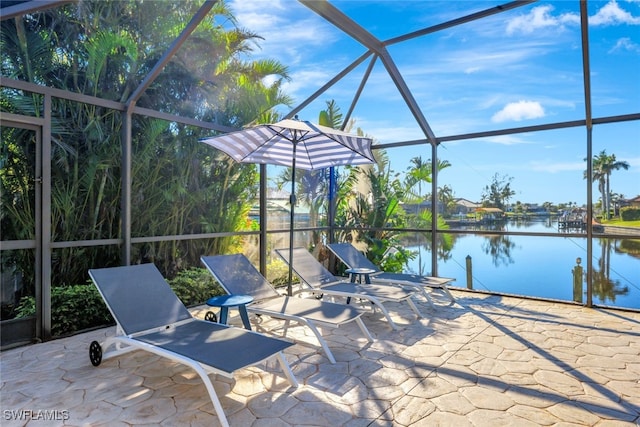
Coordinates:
[484,361]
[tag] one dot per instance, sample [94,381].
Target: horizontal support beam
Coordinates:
[512,131]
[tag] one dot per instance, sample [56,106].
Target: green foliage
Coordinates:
[372,217]
[602,167]
[389,260]
[420,172]
[631,247]
[74,308]
[179,185]
[332,117]
[203,192]
[79,307]
[370,209]
[630,214]
[278,274]
[195,286]
[498,193]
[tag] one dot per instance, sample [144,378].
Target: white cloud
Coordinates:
[540,17]
[517,111]
[625,44]
[556,167]
[302,80]
[288,29]
[611,14]
[507,140]
[490,58]
[384,134]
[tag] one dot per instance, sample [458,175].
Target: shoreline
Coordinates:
[617,229]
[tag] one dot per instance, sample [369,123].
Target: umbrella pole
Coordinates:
[292,200]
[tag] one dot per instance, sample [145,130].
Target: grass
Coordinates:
[619,222]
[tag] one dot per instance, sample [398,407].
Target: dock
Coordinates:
[572,222]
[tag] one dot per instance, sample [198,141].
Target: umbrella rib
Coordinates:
[308,156]
[266,141]
[295,139]
[346,146]
[298,136]
[330,136]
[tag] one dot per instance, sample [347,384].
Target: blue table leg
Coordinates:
[244,316]
[352,279]
[224,312]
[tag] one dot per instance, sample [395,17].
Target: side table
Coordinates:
[224,302]
[360,275]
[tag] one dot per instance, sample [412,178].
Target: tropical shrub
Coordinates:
[179,186]
[195,286]
[73,308]
[630,214]
[373,218]
[79,307]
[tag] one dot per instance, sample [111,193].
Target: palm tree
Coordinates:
[447,198]
[179,185]
[420,172]
[332,117]
[603,165]
[616,199]
[417,173]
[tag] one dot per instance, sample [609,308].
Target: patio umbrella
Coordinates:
[298,144]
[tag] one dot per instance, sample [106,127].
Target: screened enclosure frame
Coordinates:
[376,50]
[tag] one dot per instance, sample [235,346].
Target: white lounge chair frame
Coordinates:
[150,317]
[353,258]
[320,280]
[267,301]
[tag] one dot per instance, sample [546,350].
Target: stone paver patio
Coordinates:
[484,361]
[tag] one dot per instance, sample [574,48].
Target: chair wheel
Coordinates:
[95,353]
[211,316]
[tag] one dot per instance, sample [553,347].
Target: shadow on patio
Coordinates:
[487,360]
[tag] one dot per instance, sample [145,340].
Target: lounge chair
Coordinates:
[316,277]
[150,317]
[354,259]
[237,275]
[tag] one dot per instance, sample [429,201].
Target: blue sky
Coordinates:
[518,68]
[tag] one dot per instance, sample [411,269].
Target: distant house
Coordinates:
[489,214]
[534,208]
[416,208]
[464,206]
[278,203]
[635,202]
[625,203]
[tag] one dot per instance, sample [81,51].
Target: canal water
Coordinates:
[537,266]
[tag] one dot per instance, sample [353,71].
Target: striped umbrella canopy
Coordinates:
[294,143]
[298,144]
